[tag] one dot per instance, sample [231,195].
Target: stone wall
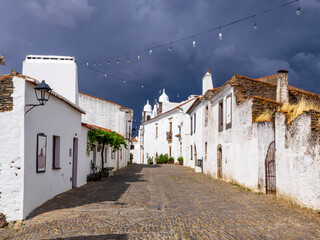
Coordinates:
[6,90]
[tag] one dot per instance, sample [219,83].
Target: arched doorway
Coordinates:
[219,161]
[270,166]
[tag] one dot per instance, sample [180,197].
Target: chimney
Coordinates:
[282,86]
[207,82]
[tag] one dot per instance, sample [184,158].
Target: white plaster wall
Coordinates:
[12,155]
[136,152]
[61,75]
[54,118]
[297,161]
[84,159]
[101,113]
[244,145]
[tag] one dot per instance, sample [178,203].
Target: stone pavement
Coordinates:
[164,202]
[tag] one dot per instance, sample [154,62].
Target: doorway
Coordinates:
[219,162]
[75,162]
[270,166]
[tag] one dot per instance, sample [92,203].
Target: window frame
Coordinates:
[228,124]
[56,146]
[220,114]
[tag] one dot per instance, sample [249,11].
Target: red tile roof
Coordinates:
[91,126]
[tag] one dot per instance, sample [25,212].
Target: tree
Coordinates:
[105,138]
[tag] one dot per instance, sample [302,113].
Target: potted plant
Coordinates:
[180,160]
[131,157]
[150,161]
[171,160]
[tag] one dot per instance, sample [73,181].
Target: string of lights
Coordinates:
[126,56]
[93,66]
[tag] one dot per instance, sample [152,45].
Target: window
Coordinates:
[195,123]
[205,151]
[206,116]
[56,152]
[170,126]
[156,130]
[112,154]
[191,124]
[169,151]
[228,111]
[191,153]
[121,154]
[220,115]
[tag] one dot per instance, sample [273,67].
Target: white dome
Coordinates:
[147,107]
[164,97]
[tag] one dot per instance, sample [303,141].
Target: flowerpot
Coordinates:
[130,160]
[92,148]
[180,163]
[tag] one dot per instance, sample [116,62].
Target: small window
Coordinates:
[220,116]
[121,154]
[206,116]
[112,154]
[205,151]
[56,152]
[195,123]
[156,130]
[191,124]
[228,111]
[191,152]
[169,151]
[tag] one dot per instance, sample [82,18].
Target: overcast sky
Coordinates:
[98,29]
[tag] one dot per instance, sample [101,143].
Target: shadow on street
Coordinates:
[109,189]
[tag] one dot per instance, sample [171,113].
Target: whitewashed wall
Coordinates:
[244,145]
[54,118]
[297,161]
[12,169]
[110,116]
[61,75]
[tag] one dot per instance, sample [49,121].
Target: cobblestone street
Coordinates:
[164,202]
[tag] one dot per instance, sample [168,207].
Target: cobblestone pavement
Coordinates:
[164,202]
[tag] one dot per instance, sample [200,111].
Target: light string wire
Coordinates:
[193,36]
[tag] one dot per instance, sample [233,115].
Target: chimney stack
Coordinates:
[282,86]
[207,82]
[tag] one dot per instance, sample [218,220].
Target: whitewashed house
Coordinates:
[163,129]
[135,150]
[43,149]
[109,116]
[39,155]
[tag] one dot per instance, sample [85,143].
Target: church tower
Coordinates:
[147,112]
[207,82]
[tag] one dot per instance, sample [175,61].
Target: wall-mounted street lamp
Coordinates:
[2,60]
[43,92]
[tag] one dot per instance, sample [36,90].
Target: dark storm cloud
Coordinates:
[90,30]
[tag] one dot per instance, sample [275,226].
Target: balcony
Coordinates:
[169,136]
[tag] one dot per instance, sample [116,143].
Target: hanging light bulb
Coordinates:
[150,52]
[105,75]
[99,62]
[87,64]
[108,62]
[128,60]
[124,81]
[255,27]
[220,34]
[118,61]
[170,48]
[298,12]
[193,42]
[142,86]
[94,64]
[139,56]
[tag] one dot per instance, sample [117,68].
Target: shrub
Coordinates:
[163,158]
[171,160]
[180,159]
[104,173]
[150,161]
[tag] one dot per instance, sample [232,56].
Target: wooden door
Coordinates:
[75,162]
[219,162]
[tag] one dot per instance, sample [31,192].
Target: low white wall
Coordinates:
[12,155]
[298,161]
[54,118]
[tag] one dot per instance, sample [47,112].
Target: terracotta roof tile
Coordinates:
[91,126]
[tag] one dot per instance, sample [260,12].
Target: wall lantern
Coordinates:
[43,92]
